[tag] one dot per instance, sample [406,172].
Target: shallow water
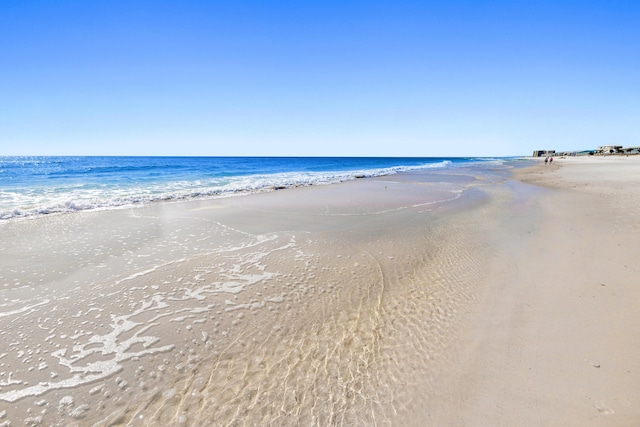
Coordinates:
[332,305]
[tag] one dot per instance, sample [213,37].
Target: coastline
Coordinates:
[38,186]
[367,302]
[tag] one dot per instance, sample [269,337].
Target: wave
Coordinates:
[100,196]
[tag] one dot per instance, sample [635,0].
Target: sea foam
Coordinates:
[42,186]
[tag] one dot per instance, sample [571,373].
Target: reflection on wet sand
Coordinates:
[188,315]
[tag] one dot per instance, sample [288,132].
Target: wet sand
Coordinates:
[332,305]
[389,301]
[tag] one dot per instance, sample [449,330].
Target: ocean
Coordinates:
[36,186]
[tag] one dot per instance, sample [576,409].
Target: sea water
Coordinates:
[35,186]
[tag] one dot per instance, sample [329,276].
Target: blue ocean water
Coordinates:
[32,186]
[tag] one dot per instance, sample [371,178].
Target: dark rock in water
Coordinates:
[359,176]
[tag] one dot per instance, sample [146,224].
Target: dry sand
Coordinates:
[356,304]
[555,339]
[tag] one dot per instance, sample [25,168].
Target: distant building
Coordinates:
[544,153]
[603,150]
[609,149]
[631,150]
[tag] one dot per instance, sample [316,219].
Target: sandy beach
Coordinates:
[372,302]
[554,339]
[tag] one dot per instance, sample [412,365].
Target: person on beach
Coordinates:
[546,159]
[550,160]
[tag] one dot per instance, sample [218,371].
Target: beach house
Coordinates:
[544,153]
[609,149]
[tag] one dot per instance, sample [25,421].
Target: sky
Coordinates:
[317,78]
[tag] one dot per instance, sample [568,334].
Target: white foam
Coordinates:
[70,198]
[107,345]
[24,309]
[150,270]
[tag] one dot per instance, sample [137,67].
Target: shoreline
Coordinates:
[117,182]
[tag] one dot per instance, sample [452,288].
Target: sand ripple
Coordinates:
[214,326]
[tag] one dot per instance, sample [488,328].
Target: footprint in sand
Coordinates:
[601,407]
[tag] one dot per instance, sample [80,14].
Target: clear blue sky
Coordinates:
[358,78]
